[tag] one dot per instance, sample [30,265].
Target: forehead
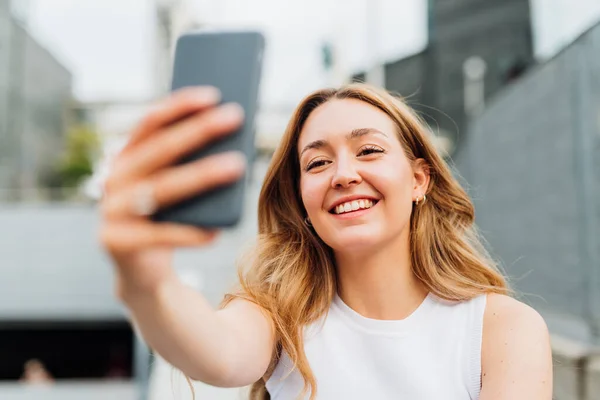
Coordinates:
[339,117]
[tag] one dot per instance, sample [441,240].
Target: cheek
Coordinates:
[394,181]
[312,193]
[396,187]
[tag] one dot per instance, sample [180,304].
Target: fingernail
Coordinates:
[231,111]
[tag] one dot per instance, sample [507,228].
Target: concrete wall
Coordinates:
[531,161]
[52,267]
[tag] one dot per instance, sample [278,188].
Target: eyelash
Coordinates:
[371,149]
[365,151]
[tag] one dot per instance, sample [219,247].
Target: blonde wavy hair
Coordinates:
[291,274]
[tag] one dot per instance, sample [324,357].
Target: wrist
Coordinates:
[129,290]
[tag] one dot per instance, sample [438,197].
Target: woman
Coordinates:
[368,279]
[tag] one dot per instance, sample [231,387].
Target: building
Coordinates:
[532,161]
[534,153]
[35,89]
[433,81]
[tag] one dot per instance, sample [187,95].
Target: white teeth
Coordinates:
[353,206]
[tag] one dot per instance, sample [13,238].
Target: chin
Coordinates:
[358,240]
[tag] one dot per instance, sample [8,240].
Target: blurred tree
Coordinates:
[77,161]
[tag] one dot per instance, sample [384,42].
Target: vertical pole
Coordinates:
[141,366]
[474,69]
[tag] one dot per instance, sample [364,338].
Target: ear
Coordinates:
[421,177]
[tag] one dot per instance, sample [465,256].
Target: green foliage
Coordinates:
[76,163]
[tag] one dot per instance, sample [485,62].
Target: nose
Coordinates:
[345,175]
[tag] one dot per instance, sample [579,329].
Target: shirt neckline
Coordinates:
[385,327]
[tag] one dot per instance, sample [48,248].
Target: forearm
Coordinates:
[179,324]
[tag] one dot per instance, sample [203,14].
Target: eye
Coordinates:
[370,149]
[315,164]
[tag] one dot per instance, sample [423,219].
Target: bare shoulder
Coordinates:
[516,355]
[505,313]
[509,323]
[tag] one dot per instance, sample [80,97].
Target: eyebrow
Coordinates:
[354,134]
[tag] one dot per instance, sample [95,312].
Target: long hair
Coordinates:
[291,274]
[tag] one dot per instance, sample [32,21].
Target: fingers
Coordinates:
[180,104]
[149,160]
[175,184]
[171,144]
[133,235]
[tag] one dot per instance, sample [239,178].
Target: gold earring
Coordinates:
[420,200]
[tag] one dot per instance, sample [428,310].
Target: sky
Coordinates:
[108,44]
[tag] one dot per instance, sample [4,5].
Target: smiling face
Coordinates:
[357,184]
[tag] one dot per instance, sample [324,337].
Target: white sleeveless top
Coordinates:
[433,354]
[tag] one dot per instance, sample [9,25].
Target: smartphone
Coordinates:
[232,62]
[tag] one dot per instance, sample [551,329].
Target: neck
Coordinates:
[379,283]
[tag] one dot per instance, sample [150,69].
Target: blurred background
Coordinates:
[510,89]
